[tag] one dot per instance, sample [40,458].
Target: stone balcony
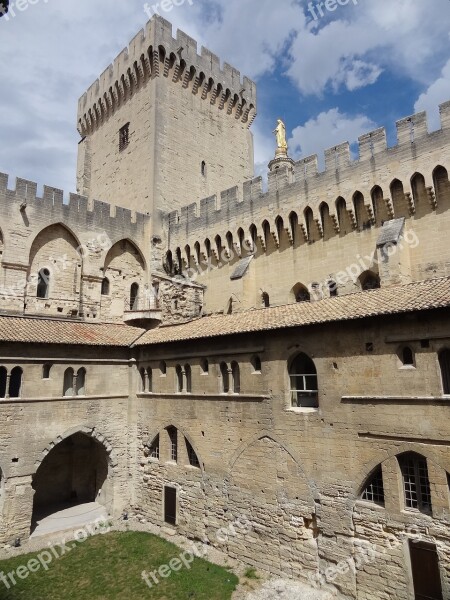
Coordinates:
[142,311]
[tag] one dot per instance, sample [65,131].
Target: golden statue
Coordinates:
[280,132]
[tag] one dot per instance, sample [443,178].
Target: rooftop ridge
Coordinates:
[154,52]
[412,134]
[78,207]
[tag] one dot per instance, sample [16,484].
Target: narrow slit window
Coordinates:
[124,137]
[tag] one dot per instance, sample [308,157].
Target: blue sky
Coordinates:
[363,65]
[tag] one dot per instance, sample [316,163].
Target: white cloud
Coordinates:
[436,94]
[327,130]
[54,50]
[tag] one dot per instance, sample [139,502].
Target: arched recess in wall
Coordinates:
[441,188]
[124,267]
[311,226]
[420,196]
[399,202]
[55,250]
[379,207]
[75,469]
[266,479]
[345,225]
[326,221]
[362,218]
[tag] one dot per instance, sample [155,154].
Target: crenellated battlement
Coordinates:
[78,210]
[154,52]
[305,186]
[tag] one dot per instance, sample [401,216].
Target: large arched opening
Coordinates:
[74,473]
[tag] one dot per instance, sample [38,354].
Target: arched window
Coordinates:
[143,380]
[192,456]
[81,382]
[401,208]
[309,222]
[374,488]
[179,260]
[241,237]
[154,448]
[46,371]
[3,381]
[187,253]
[68,382]
[179,377]
[205,366]
[168,266]
[105,287]
[218,241]
[333,288]
[225,378]
[229,237]
[15,383]
[203,168]
[416,484]
[134,296]
[444,363]
[173,441]
[265,299]
[236,374]
[163,368]
[324,211]
[197,252]
[256,364]
[303,381]
[266,232]
[369,281]
[342,214]
[43,283]
[208,248]
[407,357]
[301,293]
[188,375]
[149,380]
[293,223]
[254,237]
[279,225]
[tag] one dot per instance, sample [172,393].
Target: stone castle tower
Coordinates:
[164,126]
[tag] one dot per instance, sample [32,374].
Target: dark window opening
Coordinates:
[444,363]
[43,283]
[203,168]
[15,383]
[105,287]
[408,356]
[225,378]
[170,505]
[124,137]
[46,371]
[304,385]
[256,364]
[3,380]
[193,458]
[205,366]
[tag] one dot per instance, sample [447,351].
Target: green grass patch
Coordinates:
[109,567]
[250,573]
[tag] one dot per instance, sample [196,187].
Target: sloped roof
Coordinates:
[423,295]
[54,331]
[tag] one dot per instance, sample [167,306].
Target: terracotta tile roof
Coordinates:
[423,295]
[53,331]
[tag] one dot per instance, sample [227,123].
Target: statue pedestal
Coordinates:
[281,172]
[281,160]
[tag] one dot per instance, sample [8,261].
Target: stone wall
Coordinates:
[311,226]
